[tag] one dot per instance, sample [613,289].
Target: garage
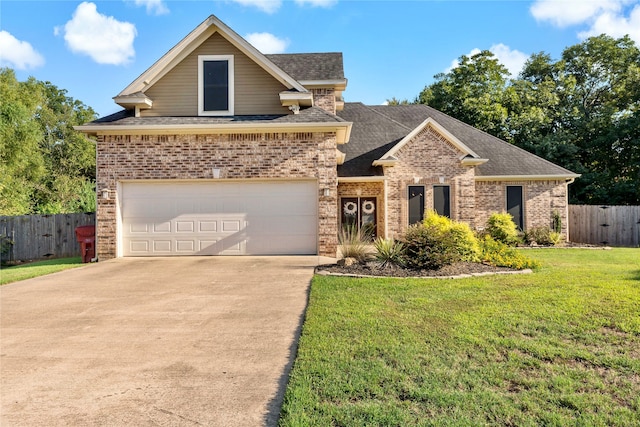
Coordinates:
[218,218]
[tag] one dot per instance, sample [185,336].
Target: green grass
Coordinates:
[560,347]
[38,268]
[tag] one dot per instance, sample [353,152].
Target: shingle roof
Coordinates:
[310,66]
[376,129]
[308,115]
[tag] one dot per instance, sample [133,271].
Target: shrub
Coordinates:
[5,247]
[462,236]
[429,247]
[389,252]
[501,227]
[354,244]
[500,254]
[542,236]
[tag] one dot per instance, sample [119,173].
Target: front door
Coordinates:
[359,213]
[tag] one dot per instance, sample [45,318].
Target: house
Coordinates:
[220,149]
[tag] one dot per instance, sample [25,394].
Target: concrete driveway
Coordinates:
[153,341]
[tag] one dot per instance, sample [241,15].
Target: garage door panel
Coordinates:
[207,226]
[221,218]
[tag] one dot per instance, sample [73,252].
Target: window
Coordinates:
[442,200]
[515,205]
[359,213]
[416,204]
[215,85]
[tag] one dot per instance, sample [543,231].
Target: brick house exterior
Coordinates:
[276,162]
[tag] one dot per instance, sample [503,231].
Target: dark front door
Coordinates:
[360,213]
[514,204]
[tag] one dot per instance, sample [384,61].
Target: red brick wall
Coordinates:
[541,199]
[424,161]
[239,156]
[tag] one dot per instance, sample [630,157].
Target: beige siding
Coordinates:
[176,93]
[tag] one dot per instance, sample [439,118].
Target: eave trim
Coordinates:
[527,177]
[362,179]
[342,129]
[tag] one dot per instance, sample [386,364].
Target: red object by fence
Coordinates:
[86,236]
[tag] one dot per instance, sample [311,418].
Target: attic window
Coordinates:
[215,85]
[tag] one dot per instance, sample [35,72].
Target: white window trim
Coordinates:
[201,60]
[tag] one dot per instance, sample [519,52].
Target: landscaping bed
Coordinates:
[374,269]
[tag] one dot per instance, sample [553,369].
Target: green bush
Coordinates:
[542,236]
[354,243]
[429,247]
[389,252]
[5,247]
[500,254]
[462,236]
[501,227]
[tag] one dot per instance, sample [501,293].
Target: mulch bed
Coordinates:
[373,269]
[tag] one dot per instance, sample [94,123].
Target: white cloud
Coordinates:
[103,38]
[267,43]
[316,3]
[616,26]
[564,13]
[612,17]
[18,54]
[155,7]
[268,6]
[513,59]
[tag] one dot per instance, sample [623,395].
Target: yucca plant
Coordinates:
[354,243]
[389,252]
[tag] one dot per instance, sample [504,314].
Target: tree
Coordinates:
[45,166]
[581,111]
[472,92]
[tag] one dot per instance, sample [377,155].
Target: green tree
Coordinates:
[45,166]
[581,111]
[472,92]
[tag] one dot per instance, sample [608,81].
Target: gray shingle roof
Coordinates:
[308,115]
[310,66]
[376,129]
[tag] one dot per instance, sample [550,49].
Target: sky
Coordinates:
[94,49]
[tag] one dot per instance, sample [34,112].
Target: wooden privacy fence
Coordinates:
[605,225]
[42,236]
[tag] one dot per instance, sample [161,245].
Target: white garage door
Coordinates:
[219,218]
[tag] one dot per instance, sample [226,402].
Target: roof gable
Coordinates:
[390,156]
[194,39]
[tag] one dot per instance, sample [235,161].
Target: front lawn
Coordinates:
[557,347]
[38,268]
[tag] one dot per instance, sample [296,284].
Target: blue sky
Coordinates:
[391,48]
